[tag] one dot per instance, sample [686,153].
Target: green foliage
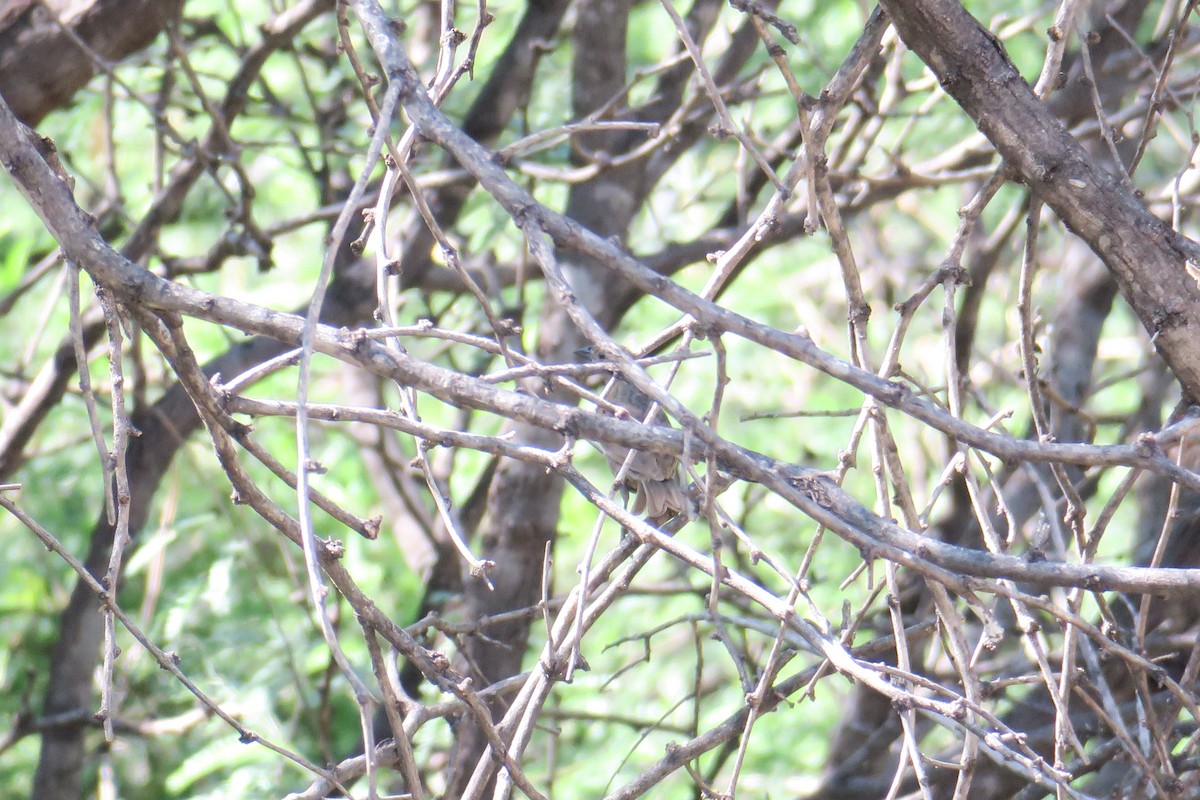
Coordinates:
[213,584]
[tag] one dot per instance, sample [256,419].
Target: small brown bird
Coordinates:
[654,477]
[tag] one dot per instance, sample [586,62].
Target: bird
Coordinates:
[655,478]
